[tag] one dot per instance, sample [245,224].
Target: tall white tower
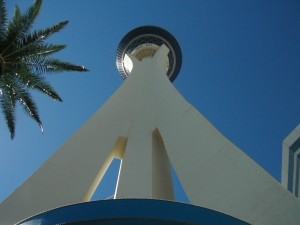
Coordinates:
[149,125]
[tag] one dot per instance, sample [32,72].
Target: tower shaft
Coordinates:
[145,170]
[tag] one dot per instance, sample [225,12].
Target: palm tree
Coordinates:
[24,58]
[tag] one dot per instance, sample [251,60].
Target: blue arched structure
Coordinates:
[133,212]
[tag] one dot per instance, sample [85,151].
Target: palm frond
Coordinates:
[40,64]
[36,50]
[2,22]
[7,103]
[44,87]
[25,100]
[24,58]
[22,76]
[28,18]
[12,32]
[55,65]
[32,13]
[35,39]
[43,34]
[39,83]
[9,115]
[20,25]
[14,90]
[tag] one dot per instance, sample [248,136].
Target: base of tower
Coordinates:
[134,212]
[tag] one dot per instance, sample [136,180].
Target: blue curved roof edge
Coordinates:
[156,211]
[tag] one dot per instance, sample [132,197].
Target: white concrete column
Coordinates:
[135,179]
[161,169]
[145,170]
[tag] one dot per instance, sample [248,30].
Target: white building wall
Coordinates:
[290,173]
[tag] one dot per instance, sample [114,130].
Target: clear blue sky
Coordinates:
[241,70]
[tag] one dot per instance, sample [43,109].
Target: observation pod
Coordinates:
[143,42]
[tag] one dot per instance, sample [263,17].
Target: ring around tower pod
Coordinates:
[143,42]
